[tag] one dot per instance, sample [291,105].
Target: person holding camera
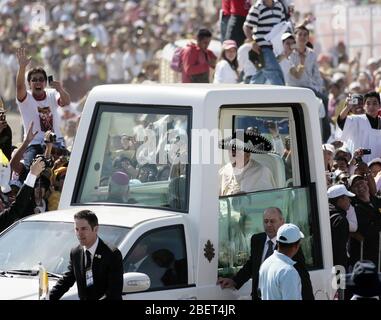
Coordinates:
[19,208]
[362,131]
[18,166]
[364,244]
[39,105]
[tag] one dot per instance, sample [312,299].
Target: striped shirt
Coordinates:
[262,19]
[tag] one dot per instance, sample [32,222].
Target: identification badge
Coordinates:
[89,278]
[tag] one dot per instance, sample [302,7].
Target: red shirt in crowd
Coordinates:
[195,61]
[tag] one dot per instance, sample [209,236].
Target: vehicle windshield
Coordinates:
[30,242]
[138,156]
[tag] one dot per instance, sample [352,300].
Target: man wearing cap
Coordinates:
[243,174]
[368,213]
[262,246]
[362,131]
[339,203]
[288,41]
[278,279]
[364,281]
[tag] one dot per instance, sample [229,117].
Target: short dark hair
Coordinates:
[89,216]
[203,33]
[35,71]
[282,245]
[372,94]
[301,27]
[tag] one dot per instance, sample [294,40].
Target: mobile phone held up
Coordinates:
[50,80]
[354,101]
[366,151]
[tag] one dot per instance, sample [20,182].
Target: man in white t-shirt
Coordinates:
[39,105]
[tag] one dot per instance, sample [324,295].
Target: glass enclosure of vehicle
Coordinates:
[241,212]
[137,155]
[30,242]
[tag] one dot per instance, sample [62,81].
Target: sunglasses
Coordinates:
[41,79]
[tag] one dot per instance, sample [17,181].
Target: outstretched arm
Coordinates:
[15,162]
[23,60]
[64,95]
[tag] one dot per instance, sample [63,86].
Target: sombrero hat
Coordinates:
[252,142]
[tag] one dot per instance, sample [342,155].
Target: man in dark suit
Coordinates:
[18,209]
[262,246]
[96,267]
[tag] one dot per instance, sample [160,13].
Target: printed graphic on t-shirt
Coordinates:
[46,118]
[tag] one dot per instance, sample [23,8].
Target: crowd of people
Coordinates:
[85,43]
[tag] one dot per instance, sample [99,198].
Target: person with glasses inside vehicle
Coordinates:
[39,105]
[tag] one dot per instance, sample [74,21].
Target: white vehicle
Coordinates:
[176,212]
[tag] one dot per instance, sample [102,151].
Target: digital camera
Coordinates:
[48,162]
[51,138]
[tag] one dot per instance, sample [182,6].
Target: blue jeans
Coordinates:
[33,150]
[271,73]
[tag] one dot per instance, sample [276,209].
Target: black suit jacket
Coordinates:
[251,268]
[107,270]
[18,208]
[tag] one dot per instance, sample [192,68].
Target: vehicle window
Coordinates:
[138,156]
[31,242]
[161,254]
[276,130]
[241,216]
[272,175]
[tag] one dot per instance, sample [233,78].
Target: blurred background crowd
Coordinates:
[83,43]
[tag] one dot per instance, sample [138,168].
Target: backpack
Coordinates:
[176,62]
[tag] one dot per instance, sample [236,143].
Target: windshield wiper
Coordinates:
[27,272]
[3,273]
[54,275]
[30,272]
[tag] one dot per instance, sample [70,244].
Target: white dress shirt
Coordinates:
[92,250]
[273,240]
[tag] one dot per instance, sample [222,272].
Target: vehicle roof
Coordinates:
[116,216]
[108,91]
[196,95]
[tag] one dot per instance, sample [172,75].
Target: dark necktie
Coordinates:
[270,249]
[88,260]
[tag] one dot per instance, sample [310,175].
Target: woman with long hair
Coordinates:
[227,66]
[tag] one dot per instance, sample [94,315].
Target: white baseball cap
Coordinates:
[287,35]
[338,190]
[375,160]
[289,233]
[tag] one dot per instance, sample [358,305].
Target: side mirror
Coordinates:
[135,282]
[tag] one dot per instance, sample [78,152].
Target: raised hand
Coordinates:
[37,167]
[56,85]
[22,58]
[30,134]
